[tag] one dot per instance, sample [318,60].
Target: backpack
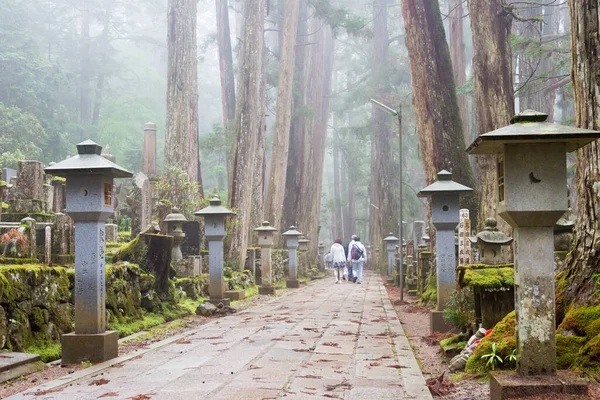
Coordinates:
[356,253]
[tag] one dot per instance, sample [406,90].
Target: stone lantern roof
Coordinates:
[88,161]
[444,185]
[175,216]
[531,127]
[292,232]
[265,227]
[491,235]
[215,208]
[391,238]
[564,225]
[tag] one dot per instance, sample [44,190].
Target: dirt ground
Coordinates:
[415,321]
[140,341]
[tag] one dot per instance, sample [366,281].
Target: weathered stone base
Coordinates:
[437,323]
[13,365]
[292,283]
[226,302]
[235,294]
[95,348]
[268,290]
[510,385]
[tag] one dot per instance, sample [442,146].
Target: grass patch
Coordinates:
[148,320]
[47,351]
[191,304]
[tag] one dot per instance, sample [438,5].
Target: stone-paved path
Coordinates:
[322,340]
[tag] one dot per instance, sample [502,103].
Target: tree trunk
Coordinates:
[436,109]
[494,97]
[104,50]
[226,73]
[583,262]
[85,76]
[457,54]
[181,131]
[248,125]
[383,213]
[283,116]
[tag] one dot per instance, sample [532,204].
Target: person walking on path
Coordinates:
[347,250]
[339,260]
[358,257]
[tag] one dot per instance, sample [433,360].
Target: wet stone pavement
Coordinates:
[320,341]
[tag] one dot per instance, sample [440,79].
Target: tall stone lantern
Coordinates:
[265,242]
[445,195]
[214,230]
[291,238]
[390,243]
[532,172]
[174,223]
[90,201]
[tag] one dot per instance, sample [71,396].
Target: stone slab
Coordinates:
[12,360]
[235,294]
[267,290]
[21,370]
[292,283]
[226,302]
[437,323]
[509,385]
[96,348]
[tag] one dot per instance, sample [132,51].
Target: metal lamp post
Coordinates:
[397,113]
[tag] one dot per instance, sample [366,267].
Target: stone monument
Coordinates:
[149,167]
[445,196]
[390,243]
[140,204]
[532,174]
[90,202]
[214,230]
[174,223]
[291,236]
[265,242]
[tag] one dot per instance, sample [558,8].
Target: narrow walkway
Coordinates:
[323,340]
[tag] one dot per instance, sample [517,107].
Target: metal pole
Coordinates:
[401,257]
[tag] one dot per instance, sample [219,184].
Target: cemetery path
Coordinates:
[322,340]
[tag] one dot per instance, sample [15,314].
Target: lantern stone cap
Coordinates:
[444,185]
[87,161]
[215,208]
[391,238]
[303,240]
[292,232]
[175,216]
[491,235]
[531,127]
[564,224]
[265,227]
[149,126]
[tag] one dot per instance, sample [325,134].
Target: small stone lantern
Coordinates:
[90,201]
[214,230]
[266,234]
[174,223]
[489,242]
[532,173]
[445,195]
[291,238]
[390,243]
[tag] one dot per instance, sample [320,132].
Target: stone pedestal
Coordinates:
[437,323]
[267,290]
[235,295]
[266,284]
[445,260]
[93,347]
[48,245]
[292,283]
[509,385]
[215,270]
[112,235]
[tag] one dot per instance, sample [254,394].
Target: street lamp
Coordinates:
[397,113]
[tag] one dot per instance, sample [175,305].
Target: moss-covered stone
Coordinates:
[589,356]
[429,295]
[488,278]
[583,321]
[195,287]
[567,350]
[454,344]
[133,252]
[503,335]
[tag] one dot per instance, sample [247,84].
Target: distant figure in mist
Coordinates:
[339,259]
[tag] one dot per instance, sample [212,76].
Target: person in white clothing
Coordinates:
[358,256]
[338,258]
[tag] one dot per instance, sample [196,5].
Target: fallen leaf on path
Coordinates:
[183,341]
[109,394]
[312,329]
[99,382]
[396,366]
[374,364]
[343,384]
[301,350]
[331,344]
[311,376]
[45,392]
[332,396]
[142,396]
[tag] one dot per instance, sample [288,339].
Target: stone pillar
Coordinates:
[59,196]
[139,204]
[266,284]
[418,233]
[49,197]
[292,281]
[149,167]
[112,234]
[445,261]
[48,245]
[216,282]
[31,236]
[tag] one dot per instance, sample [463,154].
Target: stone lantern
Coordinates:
[291,238]
[532,173]
[489,242]
[445,195]
[390,243]
[266,234]
[214,230]
[90,201]
[174,224]
[303,248]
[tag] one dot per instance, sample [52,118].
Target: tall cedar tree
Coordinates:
[457,54]
[181,131]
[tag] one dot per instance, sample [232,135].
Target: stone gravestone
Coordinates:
[191,243]
[149,167]
[140,204]
[28,195]
[464,243]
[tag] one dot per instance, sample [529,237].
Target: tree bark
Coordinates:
[283,116]
[494,97]
[104,50]
[85,75]
[383,213]
[248,125]
[436,109]
[181,131]
[457,54]
[583,262]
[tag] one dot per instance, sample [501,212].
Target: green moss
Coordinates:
[582,321]
[58,179]
[567,350]
[17,217]
[456,342]
[489,277]
[504,337]
[126,328]
[589,357]
[251,291]
[17,261]
[48,351]
[483,266]
[133,252]
[429,295]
